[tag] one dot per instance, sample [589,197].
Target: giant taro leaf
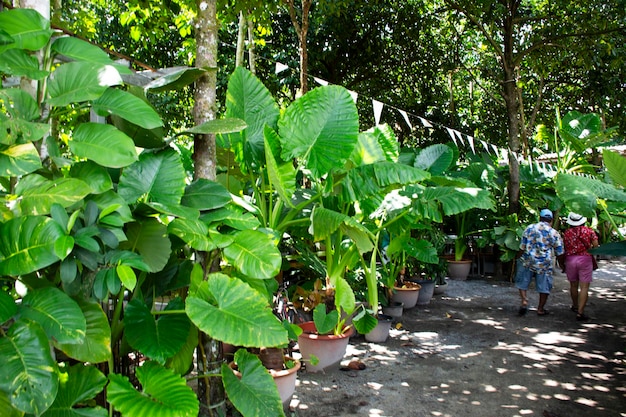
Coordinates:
[203,194]
[29,373]
[229,310]
[77,389]
[80,50]
[255,254]
[103,144]
[149,238]
[156,177]
[162,394]
[281,174]
[77,82]
[27,244]
[157,339]
[59,315]
[580,194]
[616,166]
[321,128]
[254,393]
[96,346]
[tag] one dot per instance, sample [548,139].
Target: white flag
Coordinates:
[470,140]
[482,142]
[320,81]
[425,122]
[452,135]
[354,95]
[406,118]
[378,110]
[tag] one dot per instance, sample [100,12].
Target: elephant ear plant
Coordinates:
[94,230]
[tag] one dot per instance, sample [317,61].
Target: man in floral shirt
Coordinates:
[540,243]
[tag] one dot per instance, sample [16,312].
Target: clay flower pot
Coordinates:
[328,348]
[380,333]
[407,294]
[459,270]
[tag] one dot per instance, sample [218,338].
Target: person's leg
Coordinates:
[582,298]
[522,281]
[544,286]
[543,298]
[573,292]
[571,270]
[586,275]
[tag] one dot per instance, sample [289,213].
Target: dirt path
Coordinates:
[469,354]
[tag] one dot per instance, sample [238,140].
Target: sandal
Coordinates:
[543,313]
[582,317]
[574,309]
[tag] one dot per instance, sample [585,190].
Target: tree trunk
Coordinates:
[209,352]
[241,39]
[302,27]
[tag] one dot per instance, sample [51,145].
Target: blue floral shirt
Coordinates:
[540,242]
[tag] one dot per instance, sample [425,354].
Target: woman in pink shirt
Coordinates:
[578,262]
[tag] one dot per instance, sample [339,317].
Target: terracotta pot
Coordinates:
[380,333]
[408,295]
[329,348]
[285,379]
[459,270]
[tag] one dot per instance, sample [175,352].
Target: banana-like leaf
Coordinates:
[254,393]
[248,99]
[149,238]
[19,160]
[175,80]
[163,394]
[103,144]
[321,128]
[39,194]
[203,194]
[59,315]
[229,310]
[435,159]
[375,179]
[127,106]
[255,254]
[76,82]
[193,232]
[156,177]
[80,50]
[27,27]
[29,372]
[157,339]
[19,63]
[77,389]
[27,244]
[96,347]
[580,194]
[8,308]
[616,166]
[281,174]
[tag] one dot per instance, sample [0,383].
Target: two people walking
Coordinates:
[542,247]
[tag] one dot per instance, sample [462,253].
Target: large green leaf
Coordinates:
[96,176]
[80,81]
[7,407]
[321,128]
[23,105]
[27,27]
[255,392]
[255,254]
[183,360]
[281,174]
[80,50]
[27,244]
[367,180]
[580,193]
[325,222]
[229,310]
[39,194]
[204,194]
[157,339]
[19,160]
[149,238]
[616,165]
[96,347]
[455,200]
[8,308]
[193,232]
[175,80]
[156,177]
[127,106]
[228,125]
[248,99]
[103,144]
[59,315]
[435,159]
[18,63]
[163,394]
[78,386]
[29,373]
[143,138]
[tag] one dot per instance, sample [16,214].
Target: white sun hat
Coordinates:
[574,219]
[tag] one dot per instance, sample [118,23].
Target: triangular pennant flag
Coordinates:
[425,122]
[378,110]
[452,135]
[406,118]
[470,140]
[495,149]
[320,81]
[530,164]
[458,135]
[485,145]
[280,68]
[354,95]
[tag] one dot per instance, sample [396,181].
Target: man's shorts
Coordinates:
[524,276]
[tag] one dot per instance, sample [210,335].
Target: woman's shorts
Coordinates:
[579,268]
